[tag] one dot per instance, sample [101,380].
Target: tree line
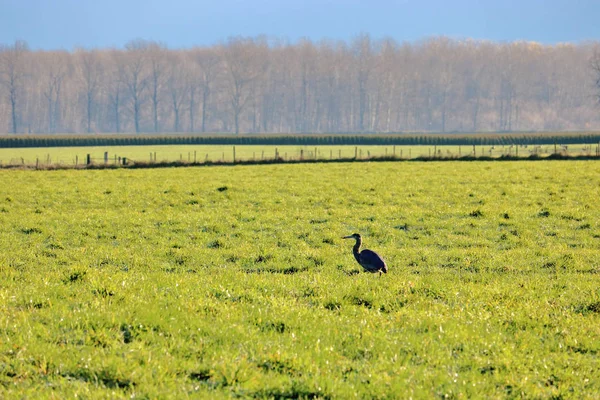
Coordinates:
[506,139]
[265,86]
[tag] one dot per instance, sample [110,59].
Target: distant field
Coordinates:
[229,282]
[201,153]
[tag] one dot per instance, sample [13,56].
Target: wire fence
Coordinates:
[124,156]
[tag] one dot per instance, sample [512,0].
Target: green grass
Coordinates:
[215,153]
[233,281]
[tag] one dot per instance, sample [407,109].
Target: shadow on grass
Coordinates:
[270,270]
[104,377]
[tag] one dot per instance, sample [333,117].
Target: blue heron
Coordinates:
[368,259]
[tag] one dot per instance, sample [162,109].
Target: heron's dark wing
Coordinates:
[371,261]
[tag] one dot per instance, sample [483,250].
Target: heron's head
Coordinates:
[353,236]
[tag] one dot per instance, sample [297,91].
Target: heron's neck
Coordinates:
[356,245]
[355,250]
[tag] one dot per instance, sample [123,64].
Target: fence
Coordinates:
[253,154]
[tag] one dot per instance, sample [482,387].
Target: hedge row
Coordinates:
[306,139]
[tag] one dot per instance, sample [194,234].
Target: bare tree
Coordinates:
[177,78]
[473,75]
[514,78]
[363,55]
[447,86]
[55,69]
[595,65]
[115,89]
[89,74]
[12,76]
[209,63]
[192,87]
[391,72]
[135,77]
[157,58]
[307,82]
[335,82]
[244,63]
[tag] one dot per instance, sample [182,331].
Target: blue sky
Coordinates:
[65,24]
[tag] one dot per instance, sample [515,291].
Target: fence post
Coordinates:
[76,160]
[355,152]
[88,159]
[301,154]
[106,157]
[234,154]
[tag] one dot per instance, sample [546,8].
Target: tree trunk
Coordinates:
[192,107]
[117,116]
[136,112]
[176,122]
[236,121]
[155,110]
[204,100]
[13,108]
[89,112]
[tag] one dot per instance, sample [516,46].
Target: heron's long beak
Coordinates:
[348,237]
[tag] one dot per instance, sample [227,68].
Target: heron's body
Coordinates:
[368,259]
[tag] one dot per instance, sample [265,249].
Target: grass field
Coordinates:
[201,153]
[232,281]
